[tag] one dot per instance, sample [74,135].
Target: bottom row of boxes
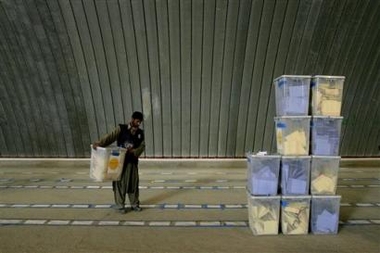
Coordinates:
[299,214]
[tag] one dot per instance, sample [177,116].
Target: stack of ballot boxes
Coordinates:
[295,191]
[292,123]
[262,193]
[326,100]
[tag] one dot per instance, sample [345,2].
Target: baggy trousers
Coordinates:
[128,184]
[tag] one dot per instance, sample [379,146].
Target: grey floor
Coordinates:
[53,206]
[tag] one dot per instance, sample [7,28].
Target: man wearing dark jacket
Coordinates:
[130,137]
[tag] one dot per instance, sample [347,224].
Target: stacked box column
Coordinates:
[326,101]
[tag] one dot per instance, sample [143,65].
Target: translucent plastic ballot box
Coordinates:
[263,174]
[292,95]
[325,214]
[106,163]
[264,214]
[292,135]
[325,135]
[324,175]
[295,175]
[295,213]
[326,95]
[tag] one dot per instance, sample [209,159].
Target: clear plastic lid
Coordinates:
[326,196]
[292,76]
[329,77]
[328,117]
[296,197]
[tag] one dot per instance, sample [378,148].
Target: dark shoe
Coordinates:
[122,210]
[136,208]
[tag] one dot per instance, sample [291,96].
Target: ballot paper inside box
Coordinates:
[295,175]
[324,175]
[326,95]
[295,212]
[325,135]
[106,163]
[325,214]
[292,95]
[292,135]
[263,214]
[263,174]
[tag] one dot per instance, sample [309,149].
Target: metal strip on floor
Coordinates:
[177,206]
[152,223]
[214,187]
[188,180]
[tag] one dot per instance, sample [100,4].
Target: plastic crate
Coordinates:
[327,93]
[292,135]
[295,175]
[264,214]
[263,174]
[292,95]
[325,214]
[324,175]
[325,135]
[295,213]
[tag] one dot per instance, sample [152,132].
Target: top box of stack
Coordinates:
[292,95]
[327,94]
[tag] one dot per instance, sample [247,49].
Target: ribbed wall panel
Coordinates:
[200,70]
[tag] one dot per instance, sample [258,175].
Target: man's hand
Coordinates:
[95,145]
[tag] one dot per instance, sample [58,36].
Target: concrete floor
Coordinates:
[53,206]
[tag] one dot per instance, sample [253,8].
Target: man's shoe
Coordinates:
[121,210]
[136,208]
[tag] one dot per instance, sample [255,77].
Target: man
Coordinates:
[130,137]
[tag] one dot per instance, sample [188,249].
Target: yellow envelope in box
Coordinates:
[115,164]
[323,184]
[295,143]
[328,91]
[271,227]
[330,107]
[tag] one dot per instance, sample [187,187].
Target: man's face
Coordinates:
[135,123]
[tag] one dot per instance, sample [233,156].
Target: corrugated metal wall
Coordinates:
[200,70]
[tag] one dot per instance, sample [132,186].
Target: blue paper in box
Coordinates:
[292,95]
[263,174]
